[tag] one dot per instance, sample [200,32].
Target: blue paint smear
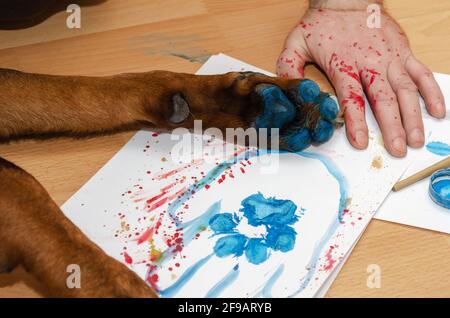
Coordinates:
[186,277]
[333,170]
[190,230]
[230,245]
[223,223]
[267,290]
[270,212]
[256,251]
[281,238]
[214,173]
[220,286]
[439,148]
[206,180]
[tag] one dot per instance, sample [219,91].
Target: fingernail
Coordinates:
[361,139]
[399,146]
[440,109]
[416,138]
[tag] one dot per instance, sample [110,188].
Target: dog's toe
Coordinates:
[306,91]
[323,131]
[314,123]
[328,107]
[296,139]
[278,110]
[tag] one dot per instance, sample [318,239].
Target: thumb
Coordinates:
[291,62]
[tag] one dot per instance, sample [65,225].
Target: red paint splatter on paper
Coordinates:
[329,259]
[128,259]
[178,170]
[153,281]
[148,235]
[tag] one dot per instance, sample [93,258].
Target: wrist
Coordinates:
[343,5]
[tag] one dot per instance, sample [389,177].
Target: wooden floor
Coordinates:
[139,35]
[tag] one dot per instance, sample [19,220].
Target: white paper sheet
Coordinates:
[412,205]
[126,207]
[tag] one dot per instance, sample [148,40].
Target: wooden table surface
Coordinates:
[138,35]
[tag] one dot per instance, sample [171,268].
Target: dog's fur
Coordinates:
[33,230]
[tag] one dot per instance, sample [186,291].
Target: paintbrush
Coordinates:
[422,174]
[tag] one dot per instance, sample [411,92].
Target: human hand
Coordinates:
[357,59]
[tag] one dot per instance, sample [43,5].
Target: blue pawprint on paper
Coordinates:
[276,216]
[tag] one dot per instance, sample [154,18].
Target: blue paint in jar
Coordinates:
[440,188]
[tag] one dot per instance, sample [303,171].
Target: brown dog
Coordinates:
[33,230]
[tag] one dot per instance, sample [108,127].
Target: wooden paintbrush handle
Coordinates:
[422,174]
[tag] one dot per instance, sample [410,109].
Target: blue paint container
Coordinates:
[440,188]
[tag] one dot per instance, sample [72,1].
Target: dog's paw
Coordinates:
[303,114]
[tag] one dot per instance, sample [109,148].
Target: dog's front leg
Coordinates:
[33,104]
[35,233]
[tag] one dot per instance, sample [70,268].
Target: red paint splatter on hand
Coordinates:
[348,69]
[357,99]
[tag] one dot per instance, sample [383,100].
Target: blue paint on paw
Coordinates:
[271,212]
[296,140]
[222,223]
[308,91]
[323,131]
[230,245]
[256,251]
[278,109]
[328,108]
[279,112]
[281,238]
